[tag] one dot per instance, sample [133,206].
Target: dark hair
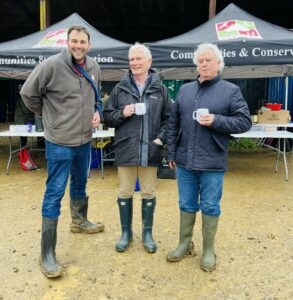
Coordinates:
[78,28]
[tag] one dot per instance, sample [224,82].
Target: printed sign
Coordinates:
[234,29]
[54,39]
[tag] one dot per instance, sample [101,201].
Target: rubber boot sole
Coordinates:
[149,250]
[51,274]
[75,228]
[189,252]
[209,268]
[124,249]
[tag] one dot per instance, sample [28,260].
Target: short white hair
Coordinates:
[203,47]
[146,51]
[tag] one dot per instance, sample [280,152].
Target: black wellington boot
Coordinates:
[49,264]
[126,212]
[80,222]
[148,209]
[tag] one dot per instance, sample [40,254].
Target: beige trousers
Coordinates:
[147,177]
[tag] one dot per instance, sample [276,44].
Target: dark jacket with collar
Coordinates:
[197,147]
[65,100]
[134,136]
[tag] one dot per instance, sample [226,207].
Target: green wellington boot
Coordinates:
[126,211]
[49,264]
[209,229]
[147,212]
[185,246]
[80,222]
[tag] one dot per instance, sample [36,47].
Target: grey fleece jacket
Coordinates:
[64,99]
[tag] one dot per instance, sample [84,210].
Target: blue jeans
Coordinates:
[200,190]
[62,161]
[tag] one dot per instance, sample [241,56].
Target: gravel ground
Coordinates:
[254,244]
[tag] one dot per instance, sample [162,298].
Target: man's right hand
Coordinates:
[128,110]
[172,164]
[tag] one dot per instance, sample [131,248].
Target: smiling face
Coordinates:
[138,63]
[78,45]
[208,65]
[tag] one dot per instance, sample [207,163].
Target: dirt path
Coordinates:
[254,241]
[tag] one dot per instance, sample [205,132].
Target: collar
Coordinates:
[208,82]
[140,87]
[76,70]
[137,83]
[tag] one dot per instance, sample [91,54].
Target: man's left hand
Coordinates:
[96,120]
[158,142]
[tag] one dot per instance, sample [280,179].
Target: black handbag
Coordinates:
[164,172]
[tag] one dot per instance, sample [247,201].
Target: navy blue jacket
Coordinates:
[197,147]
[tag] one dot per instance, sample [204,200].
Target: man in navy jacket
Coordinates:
[198,148]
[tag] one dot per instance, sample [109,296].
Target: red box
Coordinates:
[273,106]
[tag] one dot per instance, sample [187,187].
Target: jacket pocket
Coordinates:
[118,140]
[221,141]
[155,153]
[126,151]
[58,122]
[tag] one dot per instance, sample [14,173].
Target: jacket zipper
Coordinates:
[140,135]
[82,110]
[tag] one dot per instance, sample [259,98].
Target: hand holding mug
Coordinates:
[128,110]
[140,108]
[200,113]
[203,117]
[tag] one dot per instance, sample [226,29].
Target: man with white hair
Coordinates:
[138,108]
[198,148]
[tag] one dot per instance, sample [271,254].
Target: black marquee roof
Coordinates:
[132,20]
[252,48]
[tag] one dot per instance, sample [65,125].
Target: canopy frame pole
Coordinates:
[286,92]
[44,14]
[212,8]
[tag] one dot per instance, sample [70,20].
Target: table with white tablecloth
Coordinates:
[263,131]
[21,131]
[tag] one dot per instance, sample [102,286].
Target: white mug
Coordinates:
[140,108]
[196,115]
